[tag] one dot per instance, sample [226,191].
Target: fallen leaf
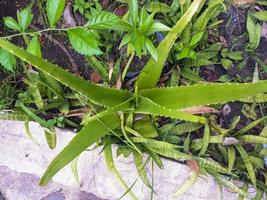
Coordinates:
[199,110]
[95,77]
[242,2]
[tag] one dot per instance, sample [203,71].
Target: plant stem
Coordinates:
[41,31]
[127,67]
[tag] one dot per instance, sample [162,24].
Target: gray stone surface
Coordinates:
[24,186]
[22,157]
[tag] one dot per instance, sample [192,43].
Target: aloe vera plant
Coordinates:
[119,109]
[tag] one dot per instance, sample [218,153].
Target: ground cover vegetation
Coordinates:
[178,79]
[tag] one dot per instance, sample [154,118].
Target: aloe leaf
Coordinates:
[151,73]
[227,183]
[121,107]
[140,166]
[91,133]
[231,158]
[206,140]
[253,139]
[211,165]
[155,157]
[111,166]
[250,126]
[99,95]
[28,132]
[146,106]
[204,94]
[248,164]
[186,127]
[203,20]
[187,184]
[51,137]
[74,169]
[13,116]
[154,143]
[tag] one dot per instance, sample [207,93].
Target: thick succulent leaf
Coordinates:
[84,41]
[54,10]
[231,158]
[253,139]
[91,133]
[151,73]
[111,166]
[247,163]
[203,20]
[211,165]
[146,106]
[261,15]
[227,183]
[121,107]
[140,166]
[97,94]
[51,138]
[205,140]
[204,94]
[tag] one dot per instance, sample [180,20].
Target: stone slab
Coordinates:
[21,155]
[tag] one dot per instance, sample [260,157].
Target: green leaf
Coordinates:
[247,163]
[253,139]
[231,158]
[99,67]
[7,60]
[228,184]
[133,11]
[196,38]
[104,20]
[204,94]
[146,106]
[186,127]
[51,138]
[111,166]
[34,47]
[54,11]
[254,32]
[211,165]
[261,15]
[25,18]
[205,140]
[84,41]
[102,96]
[157,7]
[202,21]
[250,126]
[157,27]
[91,133]
[11,23]
[151,73]
[74,169]
[140,166]
[151,49]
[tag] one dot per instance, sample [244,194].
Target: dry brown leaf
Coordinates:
[199,110]
[193,165]
[95,77]
[242,2]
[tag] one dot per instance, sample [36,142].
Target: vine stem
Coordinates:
[40,31]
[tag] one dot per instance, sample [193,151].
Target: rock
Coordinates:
[27,161]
